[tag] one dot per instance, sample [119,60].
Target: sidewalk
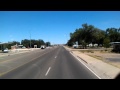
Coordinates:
[102,69]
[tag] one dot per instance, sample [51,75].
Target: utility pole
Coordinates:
[30,39]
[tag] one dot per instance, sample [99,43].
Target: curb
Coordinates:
[80,58]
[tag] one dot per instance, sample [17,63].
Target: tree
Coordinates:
[48,44]
[84,44]
[41,42]
[90,34]
[113,34]
[98,36]
[25,42]
[38,42]
[69,43]
[106,42]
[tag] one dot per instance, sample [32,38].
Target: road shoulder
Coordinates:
[102,69]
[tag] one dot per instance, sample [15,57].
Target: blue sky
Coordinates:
[53,26]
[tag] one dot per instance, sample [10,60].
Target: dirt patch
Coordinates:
[97,57]
[105,55]
[102,54]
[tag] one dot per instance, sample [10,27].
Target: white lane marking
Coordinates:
[55,56]
[20,65]
[86,66]
[47,71]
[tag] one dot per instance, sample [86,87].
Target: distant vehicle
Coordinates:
[75,46]
[23,47]
[43,47]
[5,50]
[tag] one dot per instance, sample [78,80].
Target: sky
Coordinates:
[52,26]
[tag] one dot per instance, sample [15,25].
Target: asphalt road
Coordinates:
[54,63]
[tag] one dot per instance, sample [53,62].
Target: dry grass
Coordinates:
[96,51]
[87,51]
[97,57]
[102,55]
[116,64]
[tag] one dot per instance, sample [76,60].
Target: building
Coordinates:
[3,45]
[35,46]
[17,46]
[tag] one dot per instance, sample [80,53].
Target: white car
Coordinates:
[6,50]
[42,47]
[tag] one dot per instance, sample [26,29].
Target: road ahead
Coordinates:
[54,63]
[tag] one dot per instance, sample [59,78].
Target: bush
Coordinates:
[92,51]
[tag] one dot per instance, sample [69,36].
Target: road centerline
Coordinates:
[47,71]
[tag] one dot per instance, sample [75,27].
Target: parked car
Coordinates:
[5,50]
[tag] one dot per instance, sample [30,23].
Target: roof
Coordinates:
[114,42]
[5,43]
[20,45]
